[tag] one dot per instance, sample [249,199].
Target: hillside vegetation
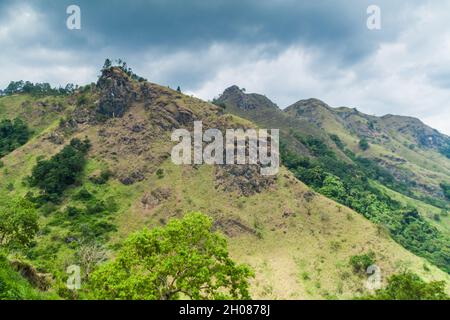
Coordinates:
[96,166]
[341,163]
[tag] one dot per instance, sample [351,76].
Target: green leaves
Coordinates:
[185,259]
[13,134]
[446,190]
[349,185]
[408,286]
[360,263]
[364,144]
[18,223]
[62,170]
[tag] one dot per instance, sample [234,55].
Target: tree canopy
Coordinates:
[184,259]
[37,89]
[18,223]
[53,176]
[409,286]
[13,134]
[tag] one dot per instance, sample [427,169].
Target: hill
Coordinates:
[298,241]
[386,168]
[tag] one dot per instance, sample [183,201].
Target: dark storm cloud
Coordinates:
[335,25]
[286,49]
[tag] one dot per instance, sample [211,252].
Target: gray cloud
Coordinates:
[285,49]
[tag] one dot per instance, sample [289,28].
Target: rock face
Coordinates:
[116,93]
[151,199]
[246,180]
[421,134]
[237,97]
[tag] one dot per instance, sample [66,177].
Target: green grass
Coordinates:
[14,287]
[316,238]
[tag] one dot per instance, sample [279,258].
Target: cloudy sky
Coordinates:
[288,50]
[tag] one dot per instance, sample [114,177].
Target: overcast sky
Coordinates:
[288,50]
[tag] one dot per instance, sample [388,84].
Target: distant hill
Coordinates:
[399,159]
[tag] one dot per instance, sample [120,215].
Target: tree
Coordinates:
[446,190]
[13,134]
[409,286]
[18,223]
[360,263]
[333,188]
[107,64]
[90,255]
[53,176]
[364,144]
[183,259]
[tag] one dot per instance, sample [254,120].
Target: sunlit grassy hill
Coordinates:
[298,242]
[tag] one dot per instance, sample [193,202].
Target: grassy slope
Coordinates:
[428,167]
[303,255]
[13,286]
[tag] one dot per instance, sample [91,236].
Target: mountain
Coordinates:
[410,150]
[299,242]
[398,159]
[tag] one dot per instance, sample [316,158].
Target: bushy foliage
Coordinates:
[185,259]
[364,144]
[337,141]
[88,220]
[349,185]
[361,262]
[37,89]
[53,176]
[18,222]
[122,65]
[446,189]
[409,286]
[317,146]
[13,134]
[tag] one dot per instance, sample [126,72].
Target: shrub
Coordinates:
[160,173]
[337,141]
[18,223]
[364,144]
[102,178]
[82,100]
[53,176]
[409,286]
[360,263]
[73,211]
[83,195]
[446,190]
[13,134]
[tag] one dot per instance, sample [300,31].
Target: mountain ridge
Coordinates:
[298,241]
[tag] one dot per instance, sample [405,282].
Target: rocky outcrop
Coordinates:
[42,281]
[235,96]
[246,180]
[116,93]
[151,199]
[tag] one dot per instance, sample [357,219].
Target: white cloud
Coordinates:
[409,75]
[20,23]
[397,78]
